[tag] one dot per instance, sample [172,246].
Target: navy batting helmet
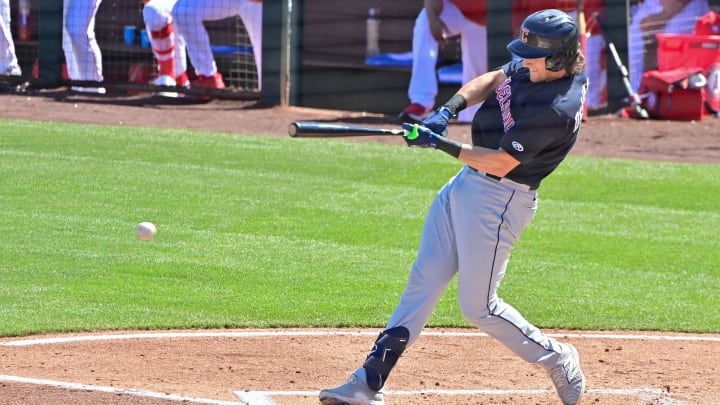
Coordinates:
[551,34]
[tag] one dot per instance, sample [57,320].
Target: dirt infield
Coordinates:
[289,366]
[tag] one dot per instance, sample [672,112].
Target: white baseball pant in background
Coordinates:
[82,53]
[189,16]
[473,47]
[7,46]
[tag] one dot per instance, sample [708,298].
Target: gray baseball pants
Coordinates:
[470,230]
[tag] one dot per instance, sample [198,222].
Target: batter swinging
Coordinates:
[528,122]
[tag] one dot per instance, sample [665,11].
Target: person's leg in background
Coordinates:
[251,15]
[82,52]
[157,15]
[473,48]
[597,72]
[67,45]
[188,17]
[423,79]
[8,60]
[181,75]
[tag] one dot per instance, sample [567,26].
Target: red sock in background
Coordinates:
[163,46]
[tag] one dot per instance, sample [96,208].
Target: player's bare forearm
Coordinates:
[481,87]
[493,161]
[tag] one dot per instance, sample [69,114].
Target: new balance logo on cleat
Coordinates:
[567,377]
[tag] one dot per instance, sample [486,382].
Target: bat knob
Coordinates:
[410,132]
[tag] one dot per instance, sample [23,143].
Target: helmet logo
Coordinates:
[542,42]
[524,35]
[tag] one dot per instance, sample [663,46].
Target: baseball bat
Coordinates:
[633,96]
[582,29]
[312,128]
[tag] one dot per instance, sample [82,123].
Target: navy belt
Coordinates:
[492,176]
[496,178]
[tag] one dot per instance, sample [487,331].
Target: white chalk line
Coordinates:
[265,397]
[269,333]
[115,390]
[646,394]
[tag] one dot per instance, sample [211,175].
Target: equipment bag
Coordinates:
[674,94]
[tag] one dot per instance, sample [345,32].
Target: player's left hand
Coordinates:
[419,136]
[438,122]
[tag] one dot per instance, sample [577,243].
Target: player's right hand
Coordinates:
[419,136]
[438,122]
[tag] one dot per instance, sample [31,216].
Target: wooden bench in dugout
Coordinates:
[334,72]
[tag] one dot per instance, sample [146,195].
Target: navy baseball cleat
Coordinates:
[354,392]
[567,377]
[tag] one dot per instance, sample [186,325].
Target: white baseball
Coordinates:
[146,230]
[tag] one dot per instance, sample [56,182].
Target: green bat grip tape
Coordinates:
[414,134]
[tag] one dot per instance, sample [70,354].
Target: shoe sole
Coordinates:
[328,399]
[89,90]
[167,94]
[332,401]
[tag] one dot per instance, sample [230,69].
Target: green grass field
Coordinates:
[281,232]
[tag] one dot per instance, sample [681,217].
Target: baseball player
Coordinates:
[438,21]
[82,53]
[168,47]
[8,60]
[189,16]
[529,119]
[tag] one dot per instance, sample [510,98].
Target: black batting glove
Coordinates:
[438,122]
[419,136]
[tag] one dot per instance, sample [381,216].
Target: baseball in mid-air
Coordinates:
[146,230]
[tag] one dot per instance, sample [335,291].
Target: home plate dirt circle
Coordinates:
[289,366]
